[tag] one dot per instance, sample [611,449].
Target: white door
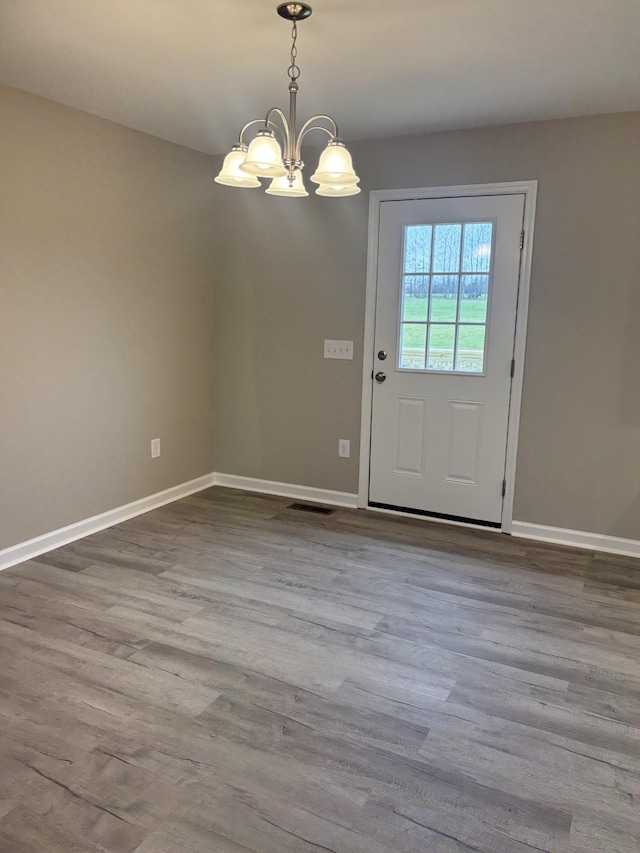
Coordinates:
[446,301]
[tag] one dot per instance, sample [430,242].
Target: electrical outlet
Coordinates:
[344,448]
[338,349]
[155,448]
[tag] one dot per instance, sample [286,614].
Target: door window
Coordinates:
[445,290]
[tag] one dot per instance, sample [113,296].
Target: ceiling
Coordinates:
[193,71]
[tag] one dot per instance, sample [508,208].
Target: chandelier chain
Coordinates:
[294,71]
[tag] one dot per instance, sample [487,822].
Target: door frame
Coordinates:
[530,190]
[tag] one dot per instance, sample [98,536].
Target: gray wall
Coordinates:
[105,315]
[292,272]
[110,242]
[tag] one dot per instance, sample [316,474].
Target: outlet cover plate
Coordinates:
[344,448]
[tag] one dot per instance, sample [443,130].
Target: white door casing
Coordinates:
[434,439]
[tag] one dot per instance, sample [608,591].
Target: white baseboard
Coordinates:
[48,541]
[56,538]
[287,490]
[576,538]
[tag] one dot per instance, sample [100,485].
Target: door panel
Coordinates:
[410,436]
[464,442]
[446,301]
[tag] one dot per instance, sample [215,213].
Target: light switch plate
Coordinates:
[338,349]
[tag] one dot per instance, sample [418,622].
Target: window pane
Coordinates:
[441,345]
[473,302]
[445,293]
[476,256]
[413,341]
[415,297]
[446,248]
[444,299]
[417,248]
[471,349]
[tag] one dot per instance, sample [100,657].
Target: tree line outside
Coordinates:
[446,286]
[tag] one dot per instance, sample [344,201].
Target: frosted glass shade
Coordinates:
[231,175]
[337,190]
[335,166]
[264,157]
[281,186]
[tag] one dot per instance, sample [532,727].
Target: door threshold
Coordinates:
[442,518]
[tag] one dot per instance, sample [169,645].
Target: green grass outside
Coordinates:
[444,310]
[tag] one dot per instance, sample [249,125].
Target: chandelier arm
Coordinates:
[303,133]
[255,121]
[285,128]
[308,126]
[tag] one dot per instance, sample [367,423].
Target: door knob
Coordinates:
[380,376]
[382,354]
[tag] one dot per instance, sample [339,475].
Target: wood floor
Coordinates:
[226,675]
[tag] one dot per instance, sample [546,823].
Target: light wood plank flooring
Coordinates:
[227,675]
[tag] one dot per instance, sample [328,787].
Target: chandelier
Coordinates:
[275,151]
